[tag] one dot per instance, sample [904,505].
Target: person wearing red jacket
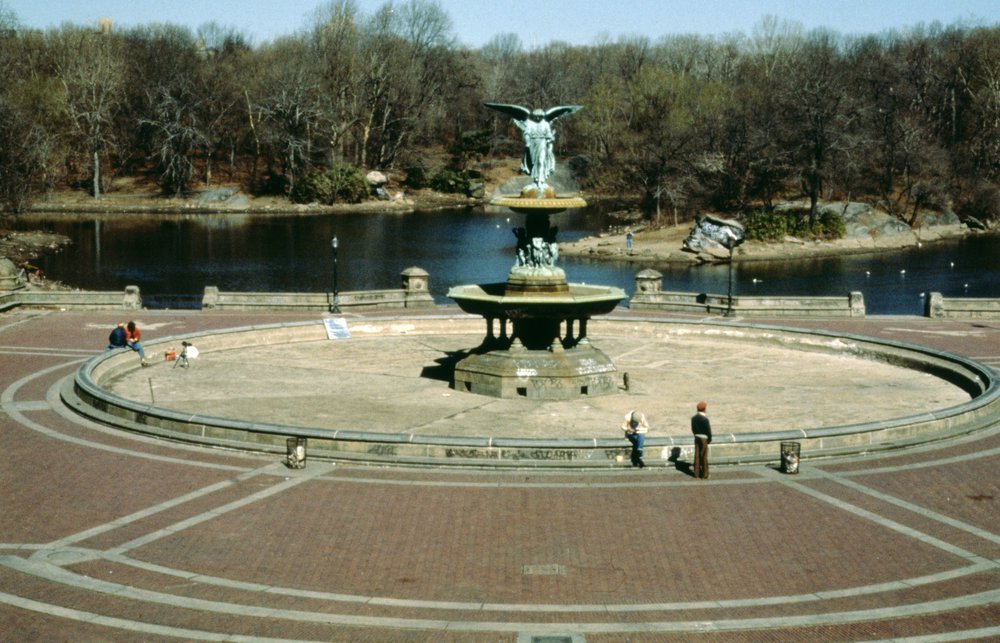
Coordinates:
[132,338]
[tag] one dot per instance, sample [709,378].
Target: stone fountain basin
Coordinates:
[581,300]
[836,393]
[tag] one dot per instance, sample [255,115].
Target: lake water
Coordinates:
[173,258]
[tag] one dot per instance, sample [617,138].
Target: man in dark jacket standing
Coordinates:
[702,430]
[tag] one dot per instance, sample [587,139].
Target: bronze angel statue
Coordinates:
[538,160]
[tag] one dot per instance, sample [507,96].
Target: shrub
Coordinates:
[765,225]
[416,177]
[773,226]
[830,225]
[339,184]
[470,145]
[451,181]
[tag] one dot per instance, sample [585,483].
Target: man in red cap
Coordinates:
[702,430]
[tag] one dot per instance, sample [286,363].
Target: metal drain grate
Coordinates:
[550,638]
[550,569]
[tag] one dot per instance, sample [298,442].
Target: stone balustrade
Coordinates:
[649,296]
[70,299]
[415,293]
[938,306]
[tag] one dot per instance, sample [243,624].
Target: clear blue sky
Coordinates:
[536,22]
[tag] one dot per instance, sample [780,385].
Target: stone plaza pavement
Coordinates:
[108,536]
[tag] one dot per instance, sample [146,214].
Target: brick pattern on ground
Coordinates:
[110,536]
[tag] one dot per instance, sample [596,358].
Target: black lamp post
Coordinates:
[729,244]
[335,307]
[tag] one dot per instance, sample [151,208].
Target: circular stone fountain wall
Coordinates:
[383,395]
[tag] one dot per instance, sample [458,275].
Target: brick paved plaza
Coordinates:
[111,536]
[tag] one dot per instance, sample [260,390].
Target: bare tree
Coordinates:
[9,23]
[91,68]
[286,107]
[225,54]
[818,113]
[499,65]
[408,71]
[177,135]
[22,155]
[335,47]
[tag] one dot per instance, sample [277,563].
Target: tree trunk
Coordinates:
[256,143]
[97,174]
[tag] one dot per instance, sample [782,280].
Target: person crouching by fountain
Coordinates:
[132,337]
[702,430]
[635,427]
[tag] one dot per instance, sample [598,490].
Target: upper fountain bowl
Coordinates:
[531,202]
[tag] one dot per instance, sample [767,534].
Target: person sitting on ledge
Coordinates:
[117,337]
[635,427]
[132,337]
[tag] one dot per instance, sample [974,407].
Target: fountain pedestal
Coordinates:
[536,343]
[528,353]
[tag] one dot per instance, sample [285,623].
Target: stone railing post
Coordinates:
[935,305]
[648,285]
[210,299]
[132,300]
[857,303]
[648,281]
[416,288]
[415,280]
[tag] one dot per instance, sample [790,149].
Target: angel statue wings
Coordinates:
[538,160]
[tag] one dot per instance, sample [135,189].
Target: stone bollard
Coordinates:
[648,285]
[415,279]
[132,300]
[416,288]
[857,302]
[935,305]
[648,282]
[211,297]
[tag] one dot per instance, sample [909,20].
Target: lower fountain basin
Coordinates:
[540,360]
[493,300]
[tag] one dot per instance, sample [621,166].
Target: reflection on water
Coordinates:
[182,255]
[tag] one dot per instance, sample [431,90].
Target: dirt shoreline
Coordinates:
[664,245]
[123,204]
